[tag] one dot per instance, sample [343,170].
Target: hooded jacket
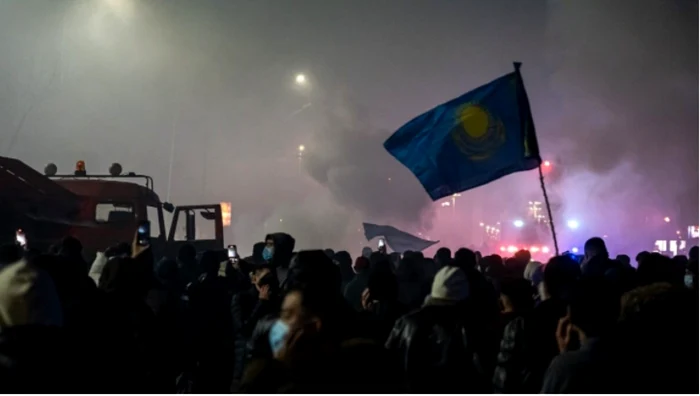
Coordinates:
[436,344]
[34,353]
[284,249]
[28,297]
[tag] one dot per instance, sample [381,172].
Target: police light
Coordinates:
[80,168]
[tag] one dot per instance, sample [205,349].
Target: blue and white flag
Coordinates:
[399,241]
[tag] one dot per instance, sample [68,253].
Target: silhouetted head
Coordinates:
[187,253]
[442,257]
[560,276]
[624,259]
[313,268]
[71,247]
[656,268]
[640,256]
[595,247]
[210,262]
[465,259]
[344,262]
[517,295]
[523,256]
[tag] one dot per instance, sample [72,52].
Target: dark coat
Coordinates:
[353,290]
[437,351]
[512,364]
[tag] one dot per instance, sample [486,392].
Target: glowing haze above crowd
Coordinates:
[281,108]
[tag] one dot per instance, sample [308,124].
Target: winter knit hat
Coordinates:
[450,283]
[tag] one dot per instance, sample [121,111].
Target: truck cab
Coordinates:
[102,210]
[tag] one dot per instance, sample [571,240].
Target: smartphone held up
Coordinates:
[143,234]
[381,245]
[232,252]
[21,238]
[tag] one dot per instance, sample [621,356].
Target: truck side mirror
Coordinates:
[209,215]
[168,207]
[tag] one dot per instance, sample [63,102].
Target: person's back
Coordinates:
[32,354]
[560,277]
[353,290]
[436,345]
[655,344]
[412,285]
[131,323]
[188,268]
[582,365]
[511,366]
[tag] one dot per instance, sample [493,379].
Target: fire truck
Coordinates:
[100,210]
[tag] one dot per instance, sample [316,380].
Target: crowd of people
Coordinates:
[318,321]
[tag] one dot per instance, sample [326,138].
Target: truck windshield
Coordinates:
[114,212]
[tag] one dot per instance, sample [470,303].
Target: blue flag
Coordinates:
[398,241]
[470,141]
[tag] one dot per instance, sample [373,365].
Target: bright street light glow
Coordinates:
[667,219]
[302,148]
[573,224]
[300,79]
[545,249]
[574,250]
[547,163]
[518,223]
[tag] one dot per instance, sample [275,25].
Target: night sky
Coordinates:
[613,88]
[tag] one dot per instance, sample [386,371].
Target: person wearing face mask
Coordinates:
[311,354]
[269,250]
[278,251]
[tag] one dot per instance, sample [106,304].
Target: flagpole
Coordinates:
[527,118]
[549,211]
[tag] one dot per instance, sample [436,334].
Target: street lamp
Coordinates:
[300,79]
[518,223]
[667,219]
[573,224]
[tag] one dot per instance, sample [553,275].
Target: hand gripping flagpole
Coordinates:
[528,117]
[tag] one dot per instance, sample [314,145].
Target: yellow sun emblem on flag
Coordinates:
[476,133]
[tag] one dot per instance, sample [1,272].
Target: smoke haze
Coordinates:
[613,89]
